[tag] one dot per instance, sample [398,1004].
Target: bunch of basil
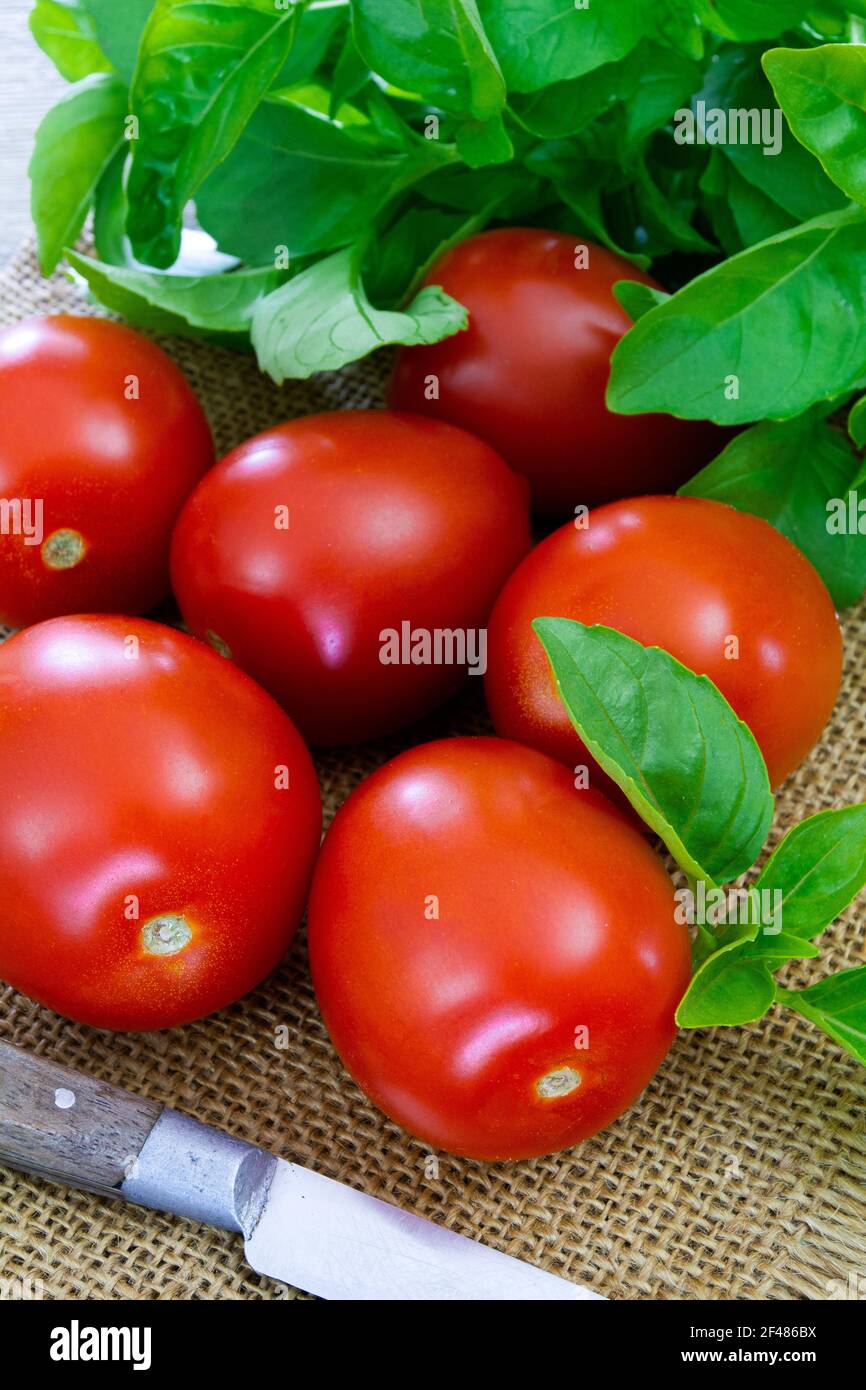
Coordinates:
[333,148]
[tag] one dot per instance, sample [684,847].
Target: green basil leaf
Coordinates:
[203,68]
[565,108]
[727,991]
[779,947]
[435,47]
[217,307]
[110,211]
[389,122]
[511,191]
[669,229]
[315,98]
[823,93]
[653,82]
[717,197]
[637,299]
[857,423]
[670,740]
[299,181]
[819,868]
[741,342]
[484,142]
[313,37]
[544,44]
[119,25]
[75,143]
[751,19]
[837,1005]
[439,49]
[788,174]
[756,216]
[323,319]
[676,25]
[828,18]
[735,985]
[750,196]
[64,30]
[351,74]
[579,183]
[665,82]
[539,42]
[397,261]
[798,475]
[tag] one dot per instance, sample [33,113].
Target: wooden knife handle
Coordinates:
[67,1126]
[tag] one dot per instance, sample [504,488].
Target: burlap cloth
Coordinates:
[741,1173]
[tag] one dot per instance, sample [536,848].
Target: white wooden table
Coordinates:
[29,84]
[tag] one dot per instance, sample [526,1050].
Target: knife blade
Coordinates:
[299,1227]
[342,1244]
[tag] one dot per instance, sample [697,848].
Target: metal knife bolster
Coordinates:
[71,1128]
[190,1169]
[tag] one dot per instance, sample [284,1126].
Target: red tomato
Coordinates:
[722,591]
[160,821]
[495,953]
[530,373]
[101,442]
[307,545]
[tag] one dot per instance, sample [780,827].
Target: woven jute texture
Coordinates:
[740,1174]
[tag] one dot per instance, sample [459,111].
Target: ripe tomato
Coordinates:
[307,545]
[160,820]
[530,373]
[101,442]
[495,953]
[722,591]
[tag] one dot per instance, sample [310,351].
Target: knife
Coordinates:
[299,1227]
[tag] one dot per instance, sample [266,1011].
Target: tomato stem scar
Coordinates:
[166,935]
[63,550]
[558,1083]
